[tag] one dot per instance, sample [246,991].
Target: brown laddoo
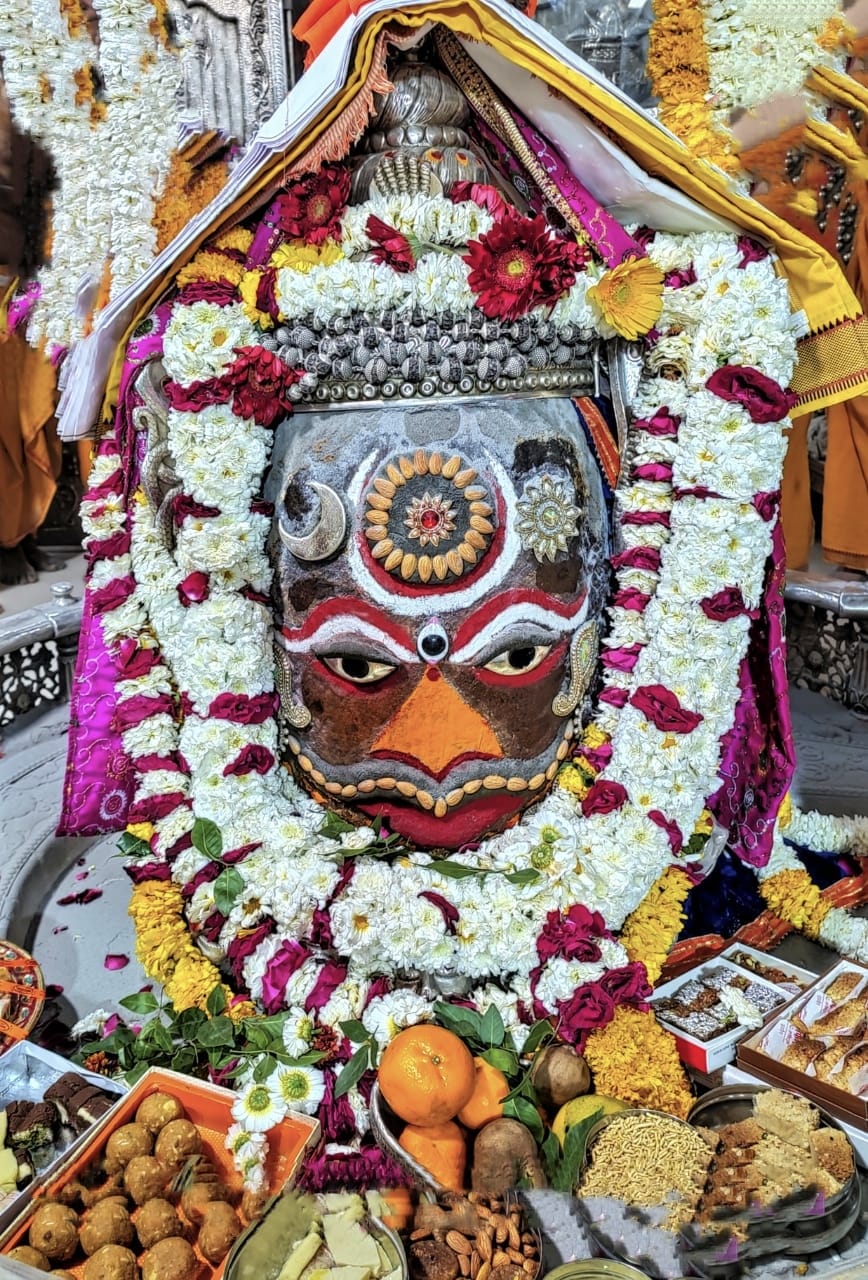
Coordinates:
[54,1231]
[176,1142]
[127,1141]
[106,1223]
[196,1199]
[145,1177]
[220,1226]
[157,1110]
[30,1257]
[170,1259]
[155,1220]
[111,1262]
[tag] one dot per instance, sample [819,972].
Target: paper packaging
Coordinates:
[757,1054]
[210,1109]
[804,977]
[26,1071]
[708,1055]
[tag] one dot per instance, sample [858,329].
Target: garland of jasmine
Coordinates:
[192,643]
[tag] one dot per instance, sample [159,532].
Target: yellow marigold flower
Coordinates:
[236,238]
[649,933]
[299,256]
[634,1059]
[630,297]
[785,813]
[238,1012]
[573,780]
[248,290]
[209,266]
[794,897]
[704,824]
[141,830]
[192,982]
[594,737]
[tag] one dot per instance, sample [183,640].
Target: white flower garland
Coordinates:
[110,172]
[731,314]
[758,49]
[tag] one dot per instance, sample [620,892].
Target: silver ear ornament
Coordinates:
[583,660]
[292,713]
[327,534]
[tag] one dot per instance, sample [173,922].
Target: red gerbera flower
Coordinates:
[520,264]
[390,246]
[311,208]
[260,383]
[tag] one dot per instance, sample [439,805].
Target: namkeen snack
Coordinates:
[646,1158]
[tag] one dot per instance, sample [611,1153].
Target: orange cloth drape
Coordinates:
[29,447]
[796,514]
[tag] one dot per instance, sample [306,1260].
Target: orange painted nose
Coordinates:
[435,729]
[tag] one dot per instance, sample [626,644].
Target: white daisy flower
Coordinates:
[259,1106]
[297,1032]
[300,1088]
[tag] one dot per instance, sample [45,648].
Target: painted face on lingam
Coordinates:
[440,569]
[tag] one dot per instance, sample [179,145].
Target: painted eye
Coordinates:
[358,670]
[519,660]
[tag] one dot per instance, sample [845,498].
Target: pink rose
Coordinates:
[243,709]
[199,395]
[751,251]
[646,517]
[662,423]
[572,936]
[259,383]
[118,544]
[723,605]
[289,957]
[672,829]
[444,906]
[330,977]
[133,711]
[183,505]
[678,279]
[658,472]
[112,595]
[605,796]
[131,661]
[763,399]
[662,708]
[630,598]
[637,558]
[175,763]
[194,589]
[155,807]
[628,985]
[231,856]
[613,696]
[589,1008]
[251,759]
[622,659]
[221,292]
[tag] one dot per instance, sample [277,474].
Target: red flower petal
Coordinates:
[116,961]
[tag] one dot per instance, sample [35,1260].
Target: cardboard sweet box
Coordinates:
[713,1006]
[208,1108]
[47,1108]
[818,1046]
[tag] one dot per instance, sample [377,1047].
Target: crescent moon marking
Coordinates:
[328,532]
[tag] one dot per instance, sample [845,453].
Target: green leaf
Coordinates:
[184,1060]
[504,1061]
[219,1031]
[355,1031]
[491,1028]
[521,1108]
[207,839]
[539,1033]
[140,1002]
[353,1071]
[130,846]
[566,1174]
[161,1038]
[228,885]
[265,1067]
[335,826]
[188,1023]
[527,876]
[465,1023]
[216,1002]
[136,1073]
[453,870]
[550,1154]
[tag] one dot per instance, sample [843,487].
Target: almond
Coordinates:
[458,1243]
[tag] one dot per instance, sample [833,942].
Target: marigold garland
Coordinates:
[678,72]
[187,190]
[634,1059]
[794,897]
[169,955]
[653,927]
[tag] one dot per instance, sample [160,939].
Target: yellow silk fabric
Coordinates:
[817,284]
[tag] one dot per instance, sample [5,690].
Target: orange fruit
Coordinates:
[486,1101]
[439,1148]
[426,1074]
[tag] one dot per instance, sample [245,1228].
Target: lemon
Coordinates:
[578,1109]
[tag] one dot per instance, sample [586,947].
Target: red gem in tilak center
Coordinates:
[429,519]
